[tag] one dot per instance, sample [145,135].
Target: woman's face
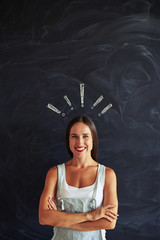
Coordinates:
[80,140]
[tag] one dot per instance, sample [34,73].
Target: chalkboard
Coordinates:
[60,59]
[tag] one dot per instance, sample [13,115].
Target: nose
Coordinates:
[80,141]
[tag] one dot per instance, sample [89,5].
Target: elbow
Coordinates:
[42,219]
[41,222]
[112,225]
[47,219]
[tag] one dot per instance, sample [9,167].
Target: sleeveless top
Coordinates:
[74,200]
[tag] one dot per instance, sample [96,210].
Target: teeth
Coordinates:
[80,148]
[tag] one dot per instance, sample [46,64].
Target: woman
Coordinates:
[80,197]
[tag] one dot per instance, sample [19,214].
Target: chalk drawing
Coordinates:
[56,110]
[105,109]
[97,102]
[82,94]
[53,108]
[68,101]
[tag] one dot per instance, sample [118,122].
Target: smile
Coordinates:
[80,149]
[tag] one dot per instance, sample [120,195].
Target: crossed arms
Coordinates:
[104,217]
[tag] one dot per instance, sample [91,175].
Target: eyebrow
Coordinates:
[82,134]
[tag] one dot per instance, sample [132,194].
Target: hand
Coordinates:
[51,204]
[104,212]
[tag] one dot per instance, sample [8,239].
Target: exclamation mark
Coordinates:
[105,109]
[68,101]
[54,109]
[97,102]
[82,94]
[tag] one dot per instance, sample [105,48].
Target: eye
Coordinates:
[73,136]
[85,136]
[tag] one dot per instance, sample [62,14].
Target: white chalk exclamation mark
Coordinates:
[105,109]
[82,94]
[53,108]
[97,102]
[68,101]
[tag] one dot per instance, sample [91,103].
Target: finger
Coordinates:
[112,215]
[109,218]
[50,200]
[49,206]
[52,204]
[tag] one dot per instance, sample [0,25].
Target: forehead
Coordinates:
[80,127]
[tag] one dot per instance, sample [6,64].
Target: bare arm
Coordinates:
[107,212]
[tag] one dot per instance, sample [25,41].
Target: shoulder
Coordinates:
[52,174]
[110,175]
[109,171]
[52,170]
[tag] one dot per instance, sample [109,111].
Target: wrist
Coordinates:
[89,216]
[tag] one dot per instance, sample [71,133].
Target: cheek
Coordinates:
[71,143]
[91,144]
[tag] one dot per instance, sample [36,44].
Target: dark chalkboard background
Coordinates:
[48,48]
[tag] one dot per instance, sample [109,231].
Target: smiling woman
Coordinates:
[80,196]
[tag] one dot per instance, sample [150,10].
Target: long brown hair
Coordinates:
[86,120]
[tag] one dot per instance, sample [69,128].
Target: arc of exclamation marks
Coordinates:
[53,108]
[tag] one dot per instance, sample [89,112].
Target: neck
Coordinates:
[82,162]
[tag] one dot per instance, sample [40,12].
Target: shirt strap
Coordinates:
[60,179]
[100,173]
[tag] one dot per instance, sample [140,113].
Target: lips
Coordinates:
[80,149]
